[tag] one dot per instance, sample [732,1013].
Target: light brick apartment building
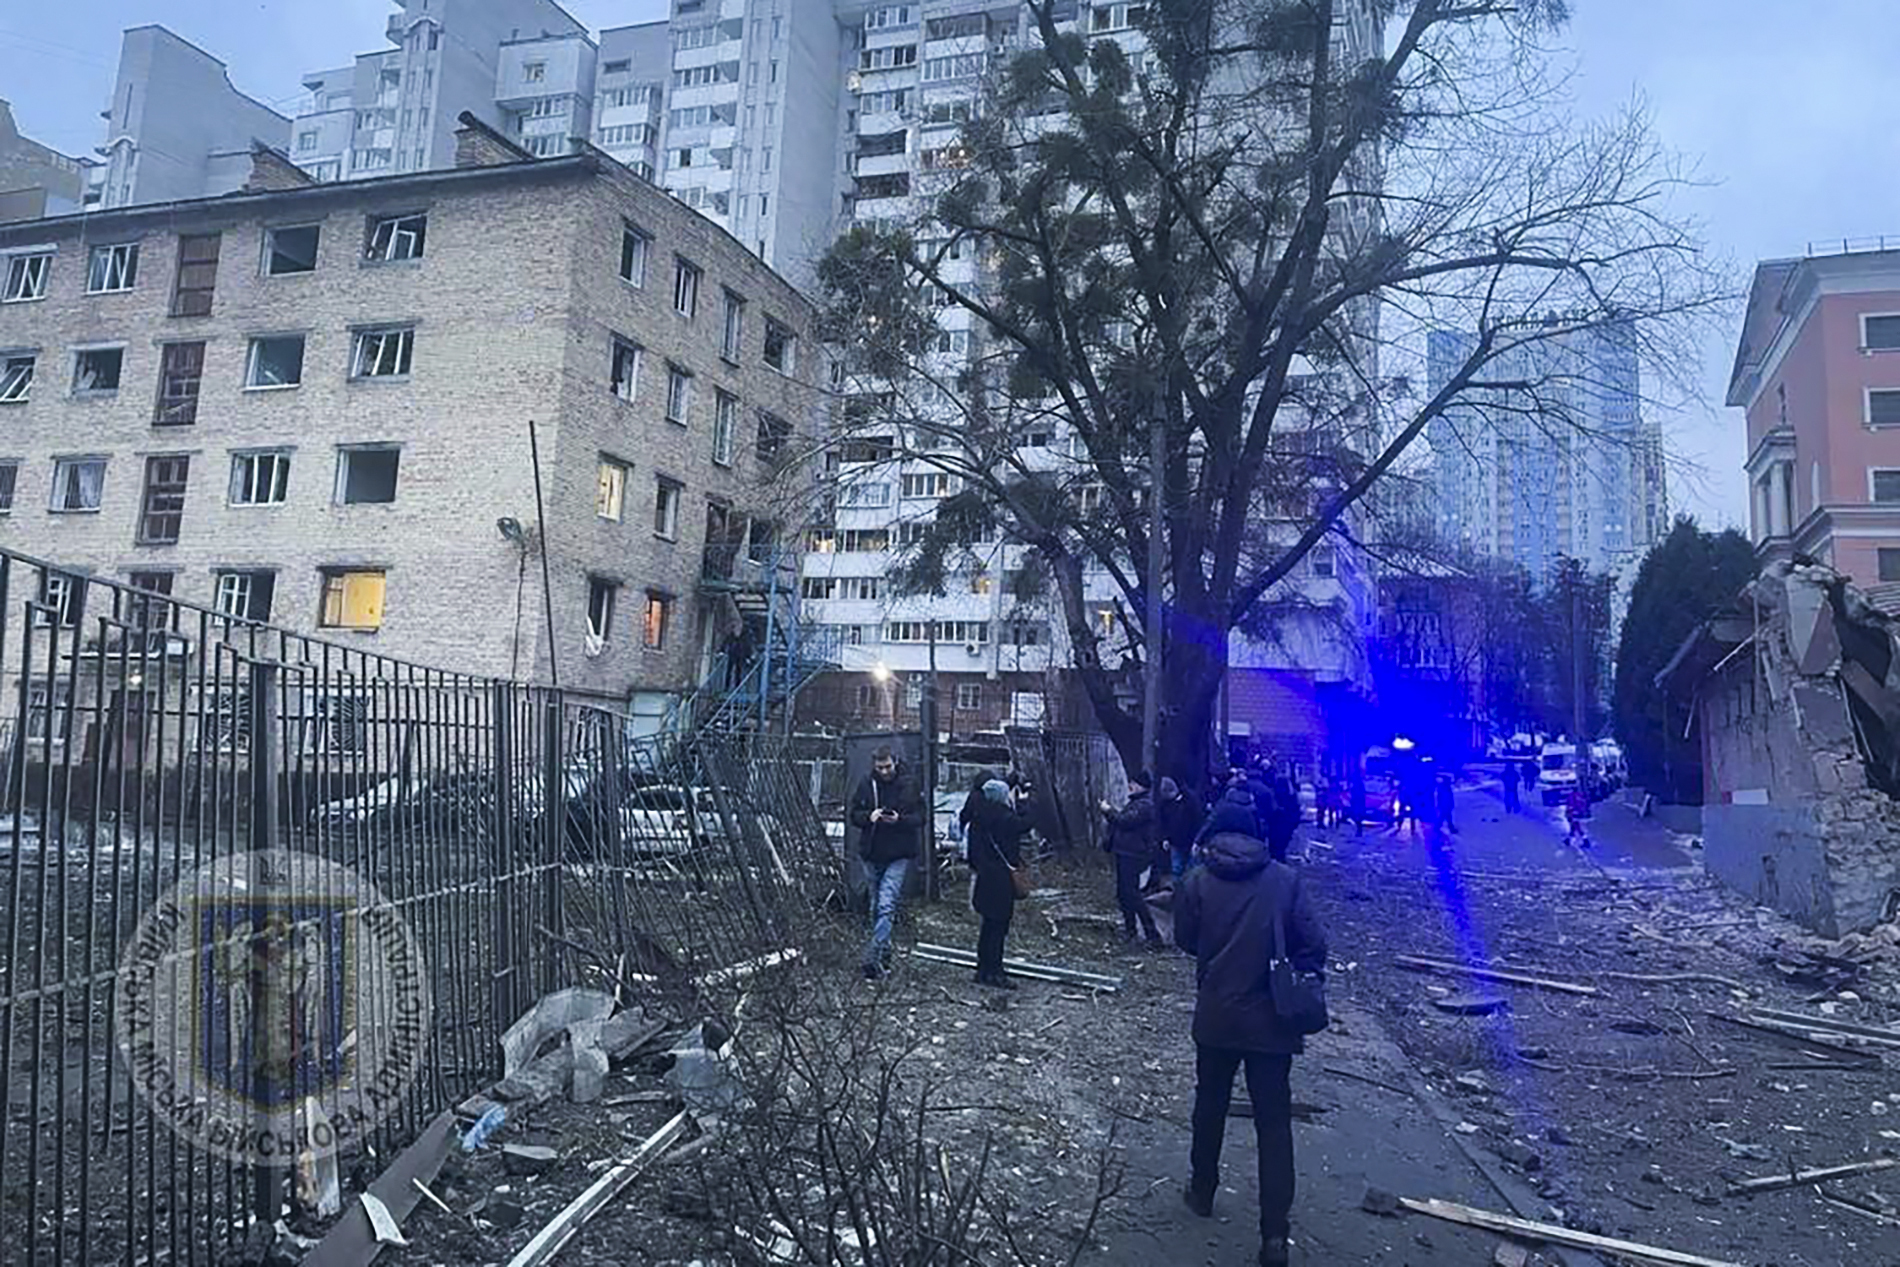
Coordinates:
[310,404]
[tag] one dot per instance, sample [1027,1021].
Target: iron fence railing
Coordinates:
[526,840]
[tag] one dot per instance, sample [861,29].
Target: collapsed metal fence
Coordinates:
[528,841]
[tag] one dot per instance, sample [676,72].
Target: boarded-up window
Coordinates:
[164,510]
[181,370]
[197,275]
[352,600]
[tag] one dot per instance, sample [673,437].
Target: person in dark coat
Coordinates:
[1182,816]
[1283,817]
[1511,802]
[1131,838]
[888,811]
[1447,803]
[1225,917]
[996,849]
[1358,800]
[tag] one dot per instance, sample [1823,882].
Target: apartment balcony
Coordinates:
[883,165]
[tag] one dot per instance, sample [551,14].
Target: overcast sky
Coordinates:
[1782,106]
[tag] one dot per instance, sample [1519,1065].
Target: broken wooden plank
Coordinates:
[1020,967]
[1672,978]
[562,1227]
[1551,1234]
[1874,1033]
[1801,1178]
[739,971]
[1419,963]
[1800,1041]
[351,1240]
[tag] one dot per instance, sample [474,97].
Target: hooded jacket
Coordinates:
[1224,916]
[1131,829]
[881,843]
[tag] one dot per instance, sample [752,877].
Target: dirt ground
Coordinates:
[1626,1112]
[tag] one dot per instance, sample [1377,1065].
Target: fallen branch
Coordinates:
[1827,1024]
[561,1229]
[1807,1046]
[1418,963]
[1849,1203]
[1551,1234]
[1686,1075]
[1672,978]
[1801,1178]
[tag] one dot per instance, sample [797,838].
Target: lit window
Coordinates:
[77,483]
[653,623]
[275,361]
[96,371]
[113,268]
[291,250]
[26,278]
[352,600]
[259,479]
[666,508]
[367,476]
[612,495]
[383,353]
[396,238]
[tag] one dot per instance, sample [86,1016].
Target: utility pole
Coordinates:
[927,715]
[1576,667]
[1151,701]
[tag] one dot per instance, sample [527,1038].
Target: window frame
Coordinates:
[669,495]
[345,456]
[373,229]
[655,618]
[732,335]
[619,345]
[969,697]
[1881,555]
[621,471]
[166,405]
[163,504]
[22,392]
[252,349]
[336,585]
[1866,346]
[118,378]
[9,484]
[601,587]
[405,354]
[246,588]
[679,386]
[687,279]
[788,347]
[62,466]
[20,265]
[127,255]
[185,299]
[725,430]
[267,265]
[279,484]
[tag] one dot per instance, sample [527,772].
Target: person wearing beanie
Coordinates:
[1132,833]
[995,850]
[1181,816]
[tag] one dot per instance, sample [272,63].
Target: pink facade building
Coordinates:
[1818,372]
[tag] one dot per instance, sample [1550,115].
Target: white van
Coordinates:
[1556,772]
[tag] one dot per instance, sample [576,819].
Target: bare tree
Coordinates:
[1221,238]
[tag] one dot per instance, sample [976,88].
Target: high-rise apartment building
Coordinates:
[1567,468]
[35,179]
[175,127]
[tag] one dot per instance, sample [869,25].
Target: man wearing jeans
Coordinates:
[888,811]
[1224,915]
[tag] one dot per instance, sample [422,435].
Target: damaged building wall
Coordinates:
[1793,818]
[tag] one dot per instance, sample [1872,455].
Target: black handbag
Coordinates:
[1299,998]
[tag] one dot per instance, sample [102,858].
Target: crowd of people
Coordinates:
[1240,911]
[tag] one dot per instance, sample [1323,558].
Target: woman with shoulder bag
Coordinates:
[998,876]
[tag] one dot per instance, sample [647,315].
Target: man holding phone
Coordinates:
[887,809]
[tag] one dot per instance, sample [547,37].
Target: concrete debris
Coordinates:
[382,1223]
[551,1016]
[561,1229]
[706,1078]
[1552,1234]
[528,1159]
[1379,1201]
[1510,1256]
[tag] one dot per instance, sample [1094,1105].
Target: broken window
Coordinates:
[611,496]
[16,379]
[143,608]
[781,347]
[352,600]
[774,433]
[685,288]
[366,476]
[259,479]
[163,512]
[9,480]
[276,360]
[49,711]
[633,255]
[625,381]
[600,608]
[112,268]
[396,238]
[59,595]
[383,353]
[26,277]
[96,371]
[290,250]
[653,624]
[197,280]
[679,394]
[244,595]
[181,369]
[77,483]
[666,508]
[725,425]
